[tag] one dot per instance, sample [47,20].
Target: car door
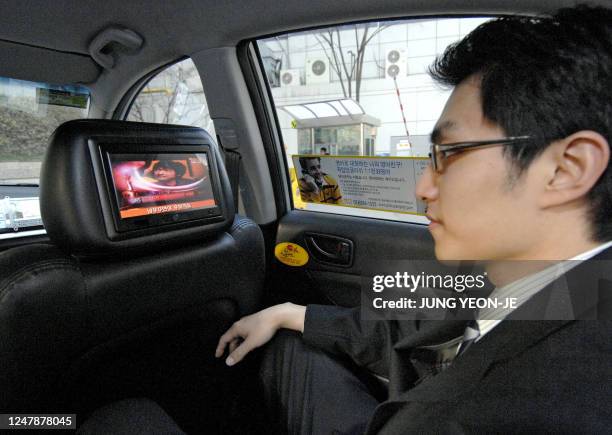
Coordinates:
[357,101]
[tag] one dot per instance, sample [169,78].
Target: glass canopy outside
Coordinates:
[339,127]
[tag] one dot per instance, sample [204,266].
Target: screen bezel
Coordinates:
[149,222]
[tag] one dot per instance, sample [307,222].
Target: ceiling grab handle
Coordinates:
[100,50]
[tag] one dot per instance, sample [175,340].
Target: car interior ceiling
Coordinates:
[59,34]
[118,341]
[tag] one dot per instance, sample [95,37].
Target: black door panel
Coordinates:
[330,249]
[327,278]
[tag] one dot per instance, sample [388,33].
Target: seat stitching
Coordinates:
[38,267]
[241,224]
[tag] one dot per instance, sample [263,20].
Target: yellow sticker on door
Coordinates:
[291,254]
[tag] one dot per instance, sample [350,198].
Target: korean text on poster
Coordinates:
[377,183]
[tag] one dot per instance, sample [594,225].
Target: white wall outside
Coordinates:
[422,99]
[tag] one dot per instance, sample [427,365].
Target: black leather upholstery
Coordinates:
[138,416]
[73,326]
[54,309]
[70,204]
[43,321]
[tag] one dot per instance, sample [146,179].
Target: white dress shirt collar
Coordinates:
[525,288]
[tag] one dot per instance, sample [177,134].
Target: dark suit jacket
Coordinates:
[522,377]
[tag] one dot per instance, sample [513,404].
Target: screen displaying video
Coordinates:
[153,184]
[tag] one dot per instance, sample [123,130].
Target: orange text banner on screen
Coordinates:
[169,208]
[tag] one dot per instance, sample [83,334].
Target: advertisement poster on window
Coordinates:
[374,183]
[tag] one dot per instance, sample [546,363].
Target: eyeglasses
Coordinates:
[439,152]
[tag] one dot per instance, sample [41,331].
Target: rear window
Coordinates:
[174,96]
[29,113]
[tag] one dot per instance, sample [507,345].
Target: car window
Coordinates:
[356,106]
[173,96]
[29,113]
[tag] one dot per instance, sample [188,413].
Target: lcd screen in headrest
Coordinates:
[149,189]
[161,183]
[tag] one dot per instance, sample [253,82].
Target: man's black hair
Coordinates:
[546,77]
[178,168]
[303,161]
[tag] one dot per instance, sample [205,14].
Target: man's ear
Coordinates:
[574,165]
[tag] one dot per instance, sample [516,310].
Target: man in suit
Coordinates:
[519,171]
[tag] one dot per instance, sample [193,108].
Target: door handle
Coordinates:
[330,249]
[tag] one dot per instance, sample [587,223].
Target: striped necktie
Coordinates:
[471,334]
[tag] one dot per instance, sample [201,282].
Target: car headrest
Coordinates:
[83,212]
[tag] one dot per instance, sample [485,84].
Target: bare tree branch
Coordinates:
[376,32]
[379,65]
[285,52]
[360,55]
[330,43]
[348,69]
[136,111]
[349,77]
[334,63]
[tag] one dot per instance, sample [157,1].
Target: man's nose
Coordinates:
[426,188]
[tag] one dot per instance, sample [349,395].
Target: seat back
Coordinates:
[85,321]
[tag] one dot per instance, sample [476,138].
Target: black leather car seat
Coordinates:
[85,321]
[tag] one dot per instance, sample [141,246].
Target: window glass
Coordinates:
[174,96]
[29,113]
[357,98]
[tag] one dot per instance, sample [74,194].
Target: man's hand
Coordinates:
[257,329]
[311,184]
